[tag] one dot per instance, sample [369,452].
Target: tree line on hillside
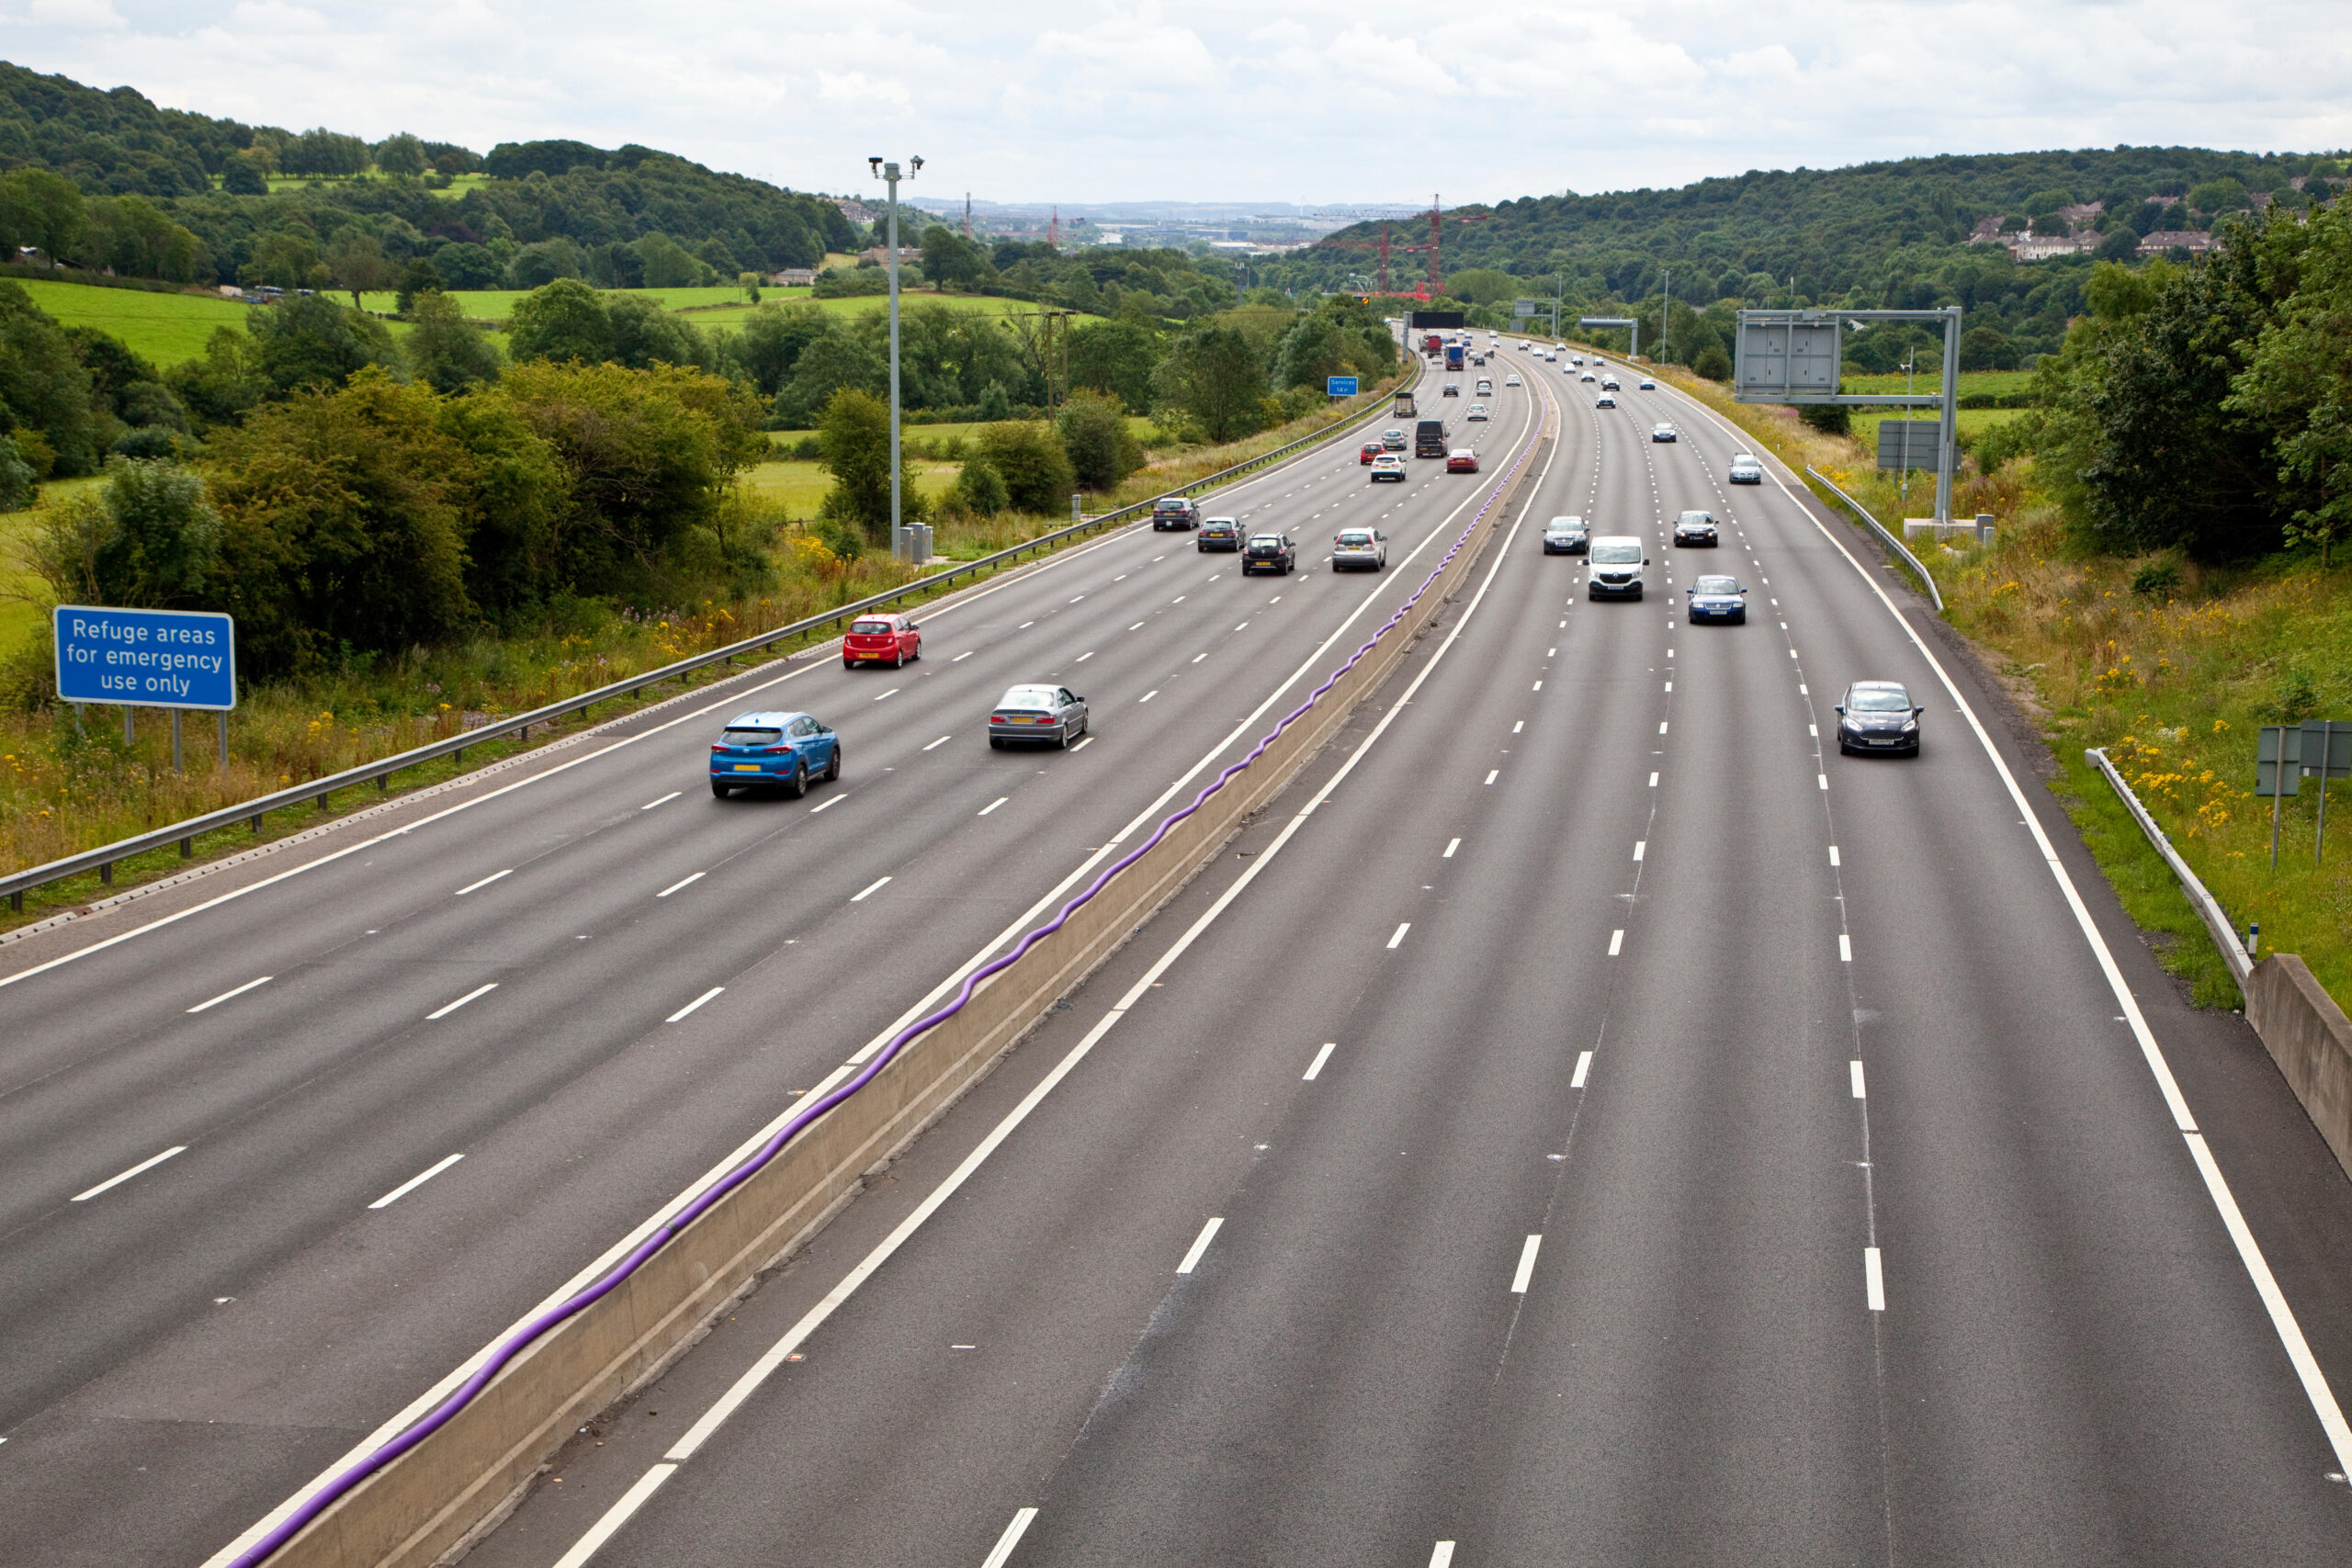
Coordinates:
[2205,408]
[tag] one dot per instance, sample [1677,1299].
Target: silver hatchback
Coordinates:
[1038,713]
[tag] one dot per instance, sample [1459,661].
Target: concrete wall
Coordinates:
[2307,1034]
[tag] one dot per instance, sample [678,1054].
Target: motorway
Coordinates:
[1732,1154]
[412,1077]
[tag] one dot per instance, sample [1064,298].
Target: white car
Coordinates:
[1648,384]
[1664,432]
[1478,411]
[1588,376]
[1604,401]
[1746,469]
[1608,383]
[1511,379]
[1388,467]
[1357,548]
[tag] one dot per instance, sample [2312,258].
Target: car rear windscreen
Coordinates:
[751,737]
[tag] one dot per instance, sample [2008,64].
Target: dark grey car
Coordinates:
[1878,716]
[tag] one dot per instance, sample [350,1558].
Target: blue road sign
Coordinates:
[1340,385]
[161,658]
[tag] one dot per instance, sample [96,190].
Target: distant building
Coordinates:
[2196,241]
[794,278]
[856,211]
[2030,246]
[880,254]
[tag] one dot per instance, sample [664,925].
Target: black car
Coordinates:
[1695,529]
[1878,716]
[1274,552]
[1219,534]
[1175,512]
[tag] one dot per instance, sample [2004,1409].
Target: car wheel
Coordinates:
[849,663]
[720,790]
[833,764]
[798,785]
[996,742]
[898,660]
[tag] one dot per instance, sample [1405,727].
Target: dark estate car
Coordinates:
[1175,512]
[1272,551]
[1878,716]
[1219,534]
[1695,529]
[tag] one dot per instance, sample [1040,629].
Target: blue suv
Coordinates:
[778,749]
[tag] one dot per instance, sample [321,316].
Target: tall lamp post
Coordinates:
[889,173]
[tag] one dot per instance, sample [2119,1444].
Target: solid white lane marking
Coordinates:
[1148,697]
[1616,942]
[1856,1069]
[940,742]
[1201,1244]
[689,881]
[1639,845]
[690,1007]
[828,805]
[469,996]
[1002,1553]
[1873,1279]
[1519,726]
[485,881]
[1833,854]
[663,801]
[224,996]
[145,1165]
[1451,845]
[1845,947]
[605,1529]
[1526,1265]
[963,656]
[992,805]
[1584,1065]
[891,693]
[1444,1556]
[413,1182]
[1316,1066]
[870,889]
[1400,937]
[1493,774]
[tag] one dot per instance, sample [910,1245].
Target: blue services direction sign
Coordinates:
[163,659]
[1340,385]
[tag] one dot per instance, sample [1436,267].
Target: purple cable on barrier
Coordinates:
[515,1343]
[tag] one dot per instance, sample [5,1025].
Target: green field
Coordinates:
[1973,422]
[801,486]
[1999,382]
[165,328]
[719,310]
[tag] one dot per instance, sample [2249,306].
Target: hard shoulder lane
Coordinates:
[548,1087]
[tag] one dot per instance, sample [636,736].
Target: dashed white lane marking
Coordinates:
[1242,627]
[1653,781]
[1316,1066]
[1616,942]
[689,881]
[1493,774]
[1855,1069]
[1526,1265]
[1444,1556]
[1539,685]
[413,1182]
[141,1167]
[1669,685]
[1800,691]
[1084,743]
[1584,1065]
[940,742]
[1198,657]
[264,980]
[1519,726]
[828,805]
[1024,626]
[1823,779]
[891,693]
[1080,596]
[992,805]
[469,996]
[1148,695]
[485,881]
[1639,845]
[1201,1244]
[1002,1553]
[1399,935]
[1451,845]
[1084,657]
[1845,947]
[605,1529]
[1136,627]
[1873,1279]
[871,888]
[1833,854]
[963,656]
[1179,599]
[1661,727]
[663,801]
[691,1005]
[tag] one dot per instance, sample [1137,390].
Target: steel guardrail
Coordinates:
[1875,527]
[183,833]
[2201,898]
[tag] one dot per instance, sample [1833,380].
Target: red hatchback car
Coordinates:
[1461,460]
[881,639]
[1370,450]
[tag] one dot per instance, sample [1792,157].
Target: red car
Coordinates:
[1370,450]
[881,639]
[1461,460]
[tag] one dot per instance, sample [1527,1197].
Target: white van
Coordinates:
[1613,567]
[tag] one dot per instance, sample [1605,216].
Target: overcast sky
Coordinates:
[1296,100]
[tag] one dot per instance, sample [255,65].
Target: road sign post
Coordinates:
[161,658]
[1339,386]
[1796,356]
[1634,347]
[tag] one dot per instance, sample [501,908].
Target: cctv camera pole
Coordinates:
[890,174]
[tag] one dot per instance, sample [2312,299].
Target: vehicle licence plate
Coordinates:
[747,767]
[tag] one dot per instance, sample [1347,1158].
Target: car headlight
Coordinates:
[1910,727]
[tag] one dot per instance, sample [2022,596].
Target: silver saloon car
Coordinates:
[1053,714]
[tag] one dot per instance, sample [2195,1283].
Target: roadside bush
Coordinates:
[16,484]
[1029,457]
[1095,435]
[979,491]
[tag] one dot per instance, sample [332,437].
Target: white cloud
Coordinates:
[1316,100]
